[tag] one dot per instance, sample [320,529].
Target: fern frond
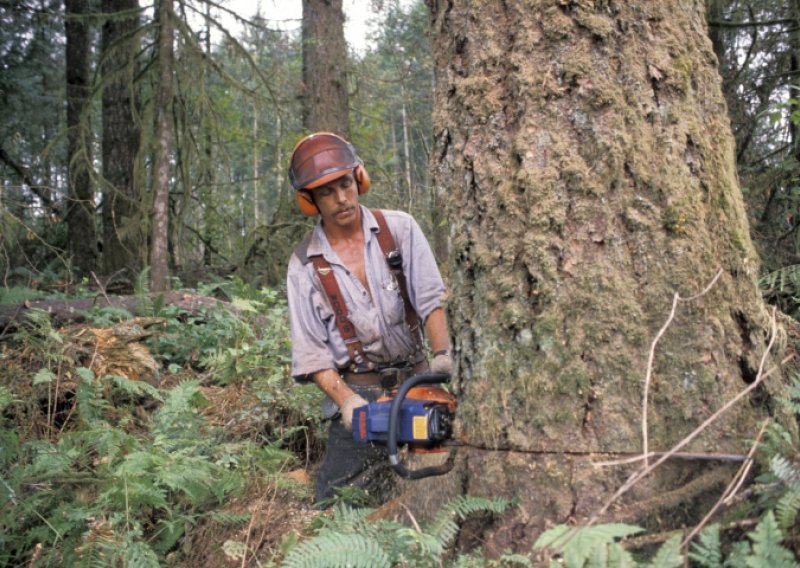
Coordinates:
[337,550]
[140,555]
[669,555]
[767,549]
[706,551]
[786,509]
[579,545]
[443,526]
[786,471]
[134,388]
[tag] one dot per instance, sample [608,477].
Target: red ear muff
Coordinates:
[306,203]
[362,179]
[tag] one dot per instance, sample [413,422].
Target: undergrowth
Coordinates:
[104,469]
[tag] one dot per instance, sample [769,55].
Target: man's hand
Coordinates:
[442,363]
[347,408]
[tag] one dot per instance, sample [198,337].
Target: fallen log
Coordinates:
[73,310]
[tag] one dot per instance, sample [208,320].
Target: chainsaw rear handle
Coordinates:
[394,415]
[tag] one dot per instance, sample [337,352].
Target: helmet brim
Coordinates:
[328,178]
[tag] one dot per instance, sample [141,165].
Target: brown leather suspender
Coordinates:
[395,261]
[342,317]
[347,330]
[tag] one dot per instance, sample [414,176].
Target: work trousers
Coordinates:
[348,463]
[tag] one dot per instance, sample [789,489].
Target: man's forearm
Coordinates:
[436,330]
[332,384]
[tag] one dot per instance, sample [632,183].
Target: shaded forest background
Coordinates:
[237,109]
[144,148]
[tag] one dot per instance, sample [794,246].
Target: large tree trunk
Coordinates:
[159,237]
[122,242]
[324,67]
[80,205]
[585,156]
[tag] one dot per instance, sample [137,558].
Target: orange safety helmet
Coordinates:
[319,159]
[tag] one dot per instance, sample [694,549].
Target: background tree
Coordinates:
[162,178]
[757,47]
[588,170]
[79,214]
[325,103]
[121,180]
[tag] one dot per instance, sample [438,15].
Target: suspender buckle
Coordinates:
[395,260]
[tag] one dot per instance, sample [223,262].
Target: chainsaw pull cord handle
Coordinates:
[394,415]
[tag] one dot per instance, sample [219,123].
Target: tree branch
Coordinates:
[40,192]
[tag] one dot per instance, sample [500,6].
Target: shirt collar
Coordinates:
[319,244]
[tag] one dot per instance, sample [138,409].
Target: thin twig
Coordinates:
[644,471]
[411,516]
[651,357]
[250,526]
[102,288]
[649,374]
[731,489]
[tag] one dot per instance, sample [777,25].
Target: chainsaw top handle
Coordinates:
[394,414]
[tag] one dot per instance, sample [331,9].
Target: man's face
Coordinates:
[337,201]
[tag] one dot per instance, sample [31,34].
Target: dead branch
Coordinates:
[66,311]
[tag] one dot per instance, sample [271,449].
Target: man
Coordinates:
[354,318]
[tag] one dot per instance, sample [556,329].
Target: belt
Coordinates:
[371,378]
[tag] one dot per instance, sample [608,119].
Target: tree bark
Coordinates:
[584,154]
[122,240]
[159,238]
[325,68]
[80,205]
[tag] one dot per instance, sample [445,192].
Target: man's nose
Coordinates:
[341,194]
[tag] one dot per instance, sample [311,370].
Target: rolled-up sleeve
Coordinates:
[310,349]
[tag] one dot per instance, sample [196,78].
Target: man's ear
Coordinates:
[305,200]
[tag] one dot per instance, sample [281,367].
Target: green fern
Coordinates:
[397,543]
[338,550]
[767,549]
[134,388]
[582,545]
[669,555]
[707,550]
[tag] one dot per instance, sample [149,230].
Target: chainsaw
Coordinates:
[418,415]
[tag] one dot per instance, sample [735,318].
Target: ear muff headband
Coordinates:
[304,201]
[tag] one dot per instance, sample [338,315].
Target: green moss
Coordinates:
[674,220]
[682,72]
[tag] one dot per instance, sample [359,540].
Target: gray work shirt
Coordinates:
[377,313]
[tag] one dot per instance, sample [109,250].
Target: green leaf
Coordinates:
[706,551]
[335,550]
[767,549]
[85,374]
[44,376]
[669,555]
[140,555]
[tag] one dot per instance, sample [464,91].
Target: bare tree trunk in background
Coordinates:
[585,157]
[256,193]
[159,253]
[406,150]
[278,166]
[80,205]
[122,240]
[325,68]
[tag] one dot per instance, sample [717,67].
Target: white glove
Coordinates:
[442,363]
[347,408]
